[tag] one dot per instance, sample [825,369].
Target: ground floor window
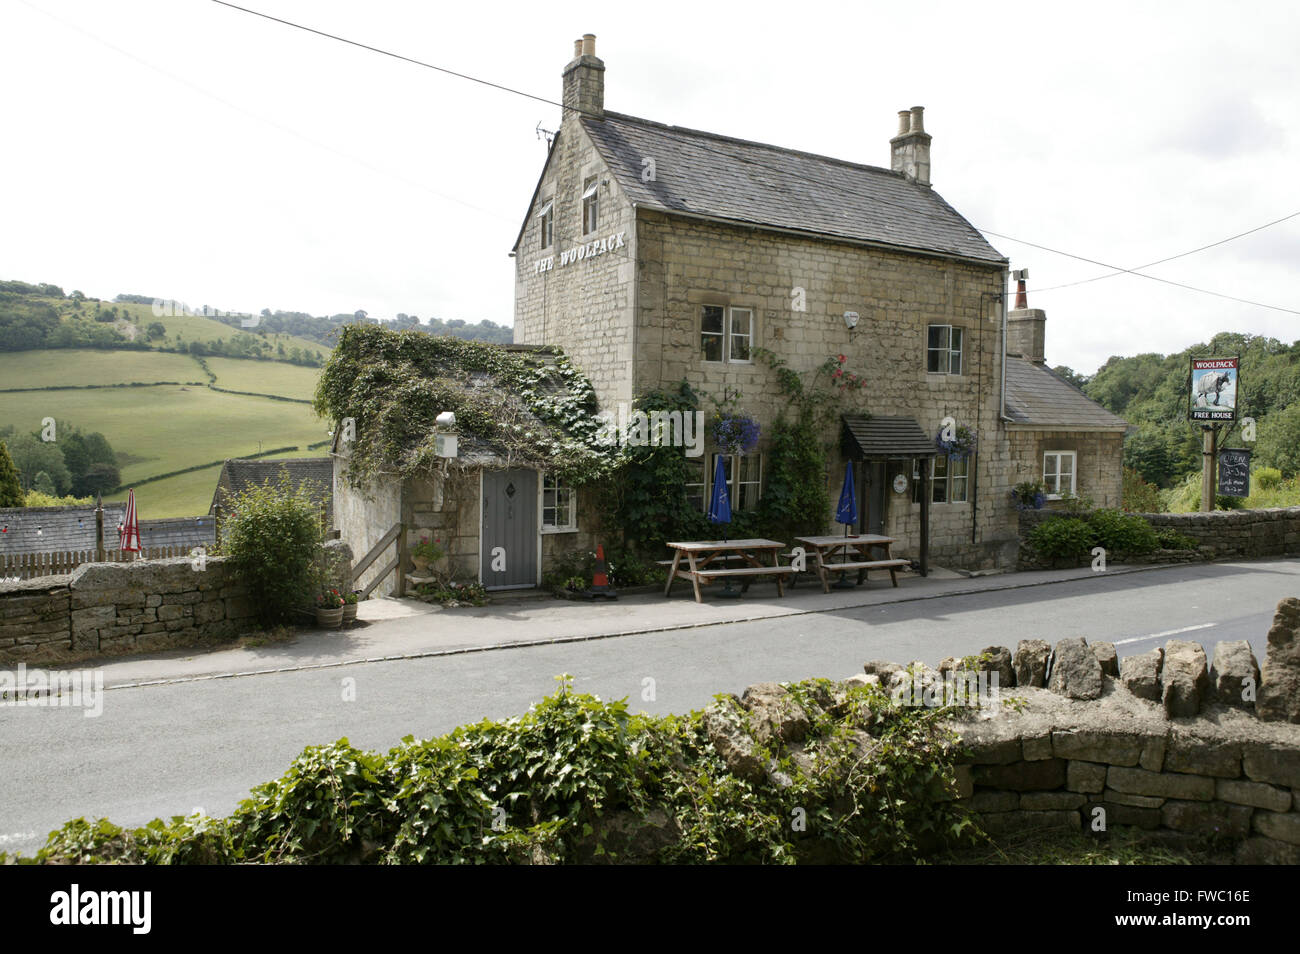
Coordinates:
[559,504]
[1058,472]
[949,480]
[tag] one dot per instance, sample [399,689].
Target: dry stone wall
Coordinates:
[1223,534]
[108,608]
[1163,740]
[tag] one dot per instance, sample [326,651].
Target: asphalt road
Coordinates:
[170,749]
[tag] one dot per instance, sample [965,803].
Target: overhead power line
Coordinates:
[1230,238]
[1115,269]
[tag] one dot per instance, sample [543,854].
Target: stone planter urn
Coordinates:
[349,613]
[421,564]
[329,618]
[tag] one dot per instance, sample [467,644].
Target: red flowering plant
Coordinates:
[844,379]
[329,599]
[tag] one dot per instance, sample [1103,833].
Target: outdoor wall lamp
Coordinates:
[444,445]
[851,322]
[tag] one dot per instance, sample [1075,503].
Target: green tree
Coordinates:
[1279,441]
[156,329]
[31,455]
[42,484]
[11,490]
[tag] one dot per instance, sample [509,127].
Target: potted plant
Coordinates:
[329,609]
[425,552]
[350,606]
[958,443]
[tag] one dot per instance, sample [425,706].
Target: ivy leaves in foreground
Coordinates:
[578,779]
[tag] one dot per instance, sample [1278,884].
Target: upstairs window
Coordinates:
[590,206]
[546,223]
[726,334]
[943,350]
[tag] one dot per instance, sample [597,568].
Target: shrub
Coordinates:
[1171,539]
[274,541]
[1122,532]
[1138,496]
[1267,478]
[1065,537]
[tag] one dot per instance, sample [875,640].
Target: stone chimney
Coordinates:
[584,81]
[1025,325]
[911,147]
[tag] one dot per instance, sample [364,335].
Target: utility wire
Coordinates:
[1130,271]
[1230,238]
[1115,269]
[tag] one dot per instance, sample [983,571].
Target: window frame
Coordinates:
[1073,457]
[736,488]
[546,224]
[950,480]
[728,335]
[591,204]
[951,360]
[552,483]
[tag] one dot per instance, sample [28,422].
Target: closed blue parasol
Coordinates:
[720,502]
[847,512]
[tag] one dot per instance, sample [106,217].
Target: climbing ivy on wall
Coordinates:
[533,411]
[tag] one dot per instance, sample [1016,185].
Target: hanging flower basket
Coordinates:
[1029,495]
[735,433]
[961,445]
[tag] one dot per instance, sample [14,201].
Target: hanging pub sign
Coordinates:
[1214,390]
[1234,472]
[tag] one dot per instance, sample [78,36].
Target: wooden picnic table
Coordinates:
[708,560]
[835,554]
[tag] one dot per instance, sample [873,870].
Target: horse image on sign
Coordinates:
[1214,389]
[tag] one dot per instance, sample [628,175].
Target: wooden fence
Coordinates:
[25,566]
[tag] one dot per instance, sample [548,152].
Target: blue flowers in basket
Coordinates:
[735,433]
[957,441]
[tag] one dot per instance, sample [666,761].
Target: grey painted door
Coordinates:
[510,530]
[875,496]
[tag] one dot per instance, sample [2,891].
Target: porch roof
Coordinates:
[866,437]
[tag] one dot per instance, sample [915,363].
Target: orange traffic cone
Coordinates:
[600,580]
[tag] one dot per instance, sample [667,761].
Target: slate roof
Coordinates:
[73,528]
[885,438]
[239,474]
[756,184]
[1038,396]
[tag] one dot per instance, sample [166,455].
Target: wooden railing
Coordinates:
[26,566]
[393,536]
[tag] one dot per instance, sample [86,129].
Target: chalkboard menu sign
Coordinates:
[1234,472]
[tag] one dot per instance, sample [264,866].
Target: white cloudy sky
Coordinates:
[181,149]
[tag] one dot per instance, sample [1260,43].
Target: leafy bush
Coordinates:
[1122,532]
[1267,478]
[577,779]
[1171,539]
[1064,537]
[273,538]
[1138,496]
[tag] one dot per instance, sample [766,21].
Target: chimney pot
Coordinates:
[910,149]
[584,82]
[589,44]
[577,48]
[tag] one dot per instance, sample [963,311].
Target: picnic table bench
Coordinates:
[825,549]
[709,560]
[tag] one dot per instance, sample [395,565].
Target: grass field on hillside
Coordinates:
[264,377]
[167,428]
[190,327]
[188,495]
[66,366]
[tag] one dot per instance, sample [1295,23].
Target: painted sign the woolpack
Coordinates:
[1214,390]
